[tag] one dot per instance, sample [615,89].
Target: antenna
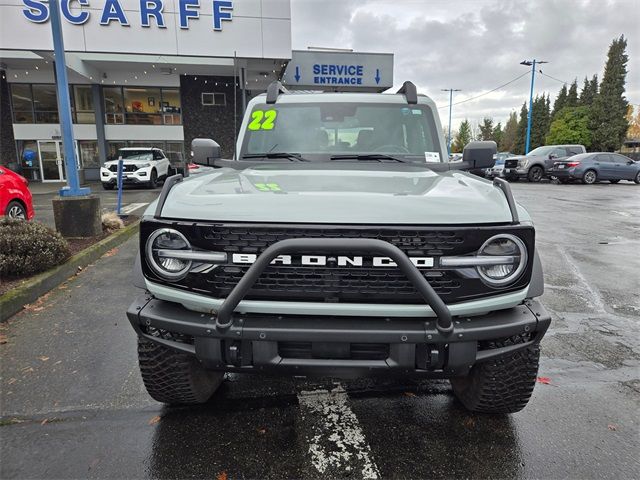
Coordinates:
[235,106]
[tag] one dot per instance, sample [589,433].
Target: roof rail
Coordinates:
[274,89]
[410,92]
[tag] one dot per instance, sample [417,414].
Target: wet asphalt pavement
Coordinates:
[73,404]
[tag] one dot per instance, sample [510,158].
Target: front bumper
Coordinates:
[142,175]
[337,346]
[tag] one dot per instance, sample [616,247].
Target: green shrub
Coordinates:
[27,248]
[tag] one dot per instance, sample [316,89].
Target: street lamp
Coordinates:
[531,64]
[450,90]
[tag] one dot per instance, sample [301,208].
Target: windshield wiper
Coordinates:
[291,156]
[368,156]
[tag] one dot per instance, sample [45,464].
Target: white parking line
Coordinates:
[132,207]
[336,443]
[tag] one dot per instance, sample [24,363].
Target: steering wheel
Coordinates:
[391,148]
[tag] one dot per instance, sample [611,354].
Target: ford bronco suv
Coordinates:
[339,241]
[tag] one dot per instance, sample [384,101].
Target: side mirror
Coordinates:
[479,155]
[552,156]
[204,151]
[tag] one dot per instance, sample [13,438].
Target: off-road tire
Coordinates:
[535,174]
[503,385]
[590,177]
[173,377]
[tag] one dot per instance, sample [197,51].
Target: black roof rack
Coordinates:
[274,89]
[410,92]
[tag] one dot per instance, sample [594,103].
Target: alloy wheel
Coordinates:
[17,213]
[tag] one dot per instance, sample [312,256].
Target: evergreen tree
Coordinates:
[463,136]
[608,122]
[589,91]
[486,129]
[570,126]
[572,95]
[508,140]
[561,101]
[497,134]
[540,119]
[521,131]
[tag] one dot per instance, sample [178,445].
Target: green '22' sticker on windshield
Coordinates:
[263,120]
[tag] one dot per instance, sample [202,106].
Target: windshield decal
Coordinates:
[263,120]
[268,187]
[432,157]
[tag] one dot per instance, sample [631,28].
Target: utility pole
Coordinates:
[450,90]
[531,64]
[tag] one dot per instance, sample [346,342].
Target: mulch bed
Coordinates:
[76,245]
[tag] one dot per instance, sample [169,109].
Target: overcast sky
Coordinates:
[477,45]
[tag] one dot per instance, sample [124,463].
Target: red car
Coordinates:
[15,197]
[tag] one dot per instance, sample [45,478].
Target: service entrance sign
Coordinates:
[321,70]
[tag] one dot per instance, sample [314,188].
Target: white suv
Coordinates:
[140,165]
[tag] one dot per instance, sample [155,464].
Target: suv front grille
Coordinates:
[332,283]
[125,168]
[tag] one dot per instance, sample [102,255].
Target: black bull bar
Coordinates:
[444,324]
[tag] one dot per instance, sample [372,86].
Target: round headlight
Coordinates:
[504,245]
[158,252]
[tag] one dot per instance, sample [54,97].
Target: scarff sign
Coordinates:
[151,12]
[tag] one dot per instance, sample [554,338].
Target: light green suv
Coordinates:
[340,241]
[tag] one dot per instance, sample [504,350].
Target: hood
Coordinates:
[343,194]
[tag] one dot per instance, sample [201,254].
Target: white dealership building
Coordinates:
[149,73]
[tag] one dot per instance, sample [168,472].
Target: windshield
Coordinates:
[540,151]
[319,131]
[135,154]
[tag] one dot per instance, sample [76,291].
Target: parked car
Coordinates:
[142,166]
[593,167]
[534,166]
[498,167]
[15,197]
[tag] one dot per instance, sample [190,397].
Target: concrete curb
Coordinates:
[14,300]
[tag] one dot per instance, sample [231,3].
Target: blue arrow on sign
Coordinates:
[297,75]
[377,77]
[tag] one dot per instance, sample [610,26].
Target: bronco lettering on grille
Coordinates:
[340,260]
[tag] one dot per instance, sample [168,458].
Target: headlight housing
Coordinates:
[502,274]
[158,252]
[523,162]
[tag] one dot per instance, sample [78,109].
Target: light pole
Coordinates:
[450,90]
[531,64]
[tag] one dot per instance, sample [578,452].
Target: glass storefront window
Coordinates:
[22,103]
[28,158]
[113,105]
[45,103]
[113,147]
[171,108]
[142,105]
[83,104]
[89,156]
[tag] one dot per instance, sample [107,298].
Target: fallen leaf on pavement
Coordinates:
[154,420]
[111,252]
[612,427]
[94,463]
[3,339]
[262,431]
[409,394]
[44,422]
[221,476]
[545,380]
[469,422]
[11,381]
[43,358]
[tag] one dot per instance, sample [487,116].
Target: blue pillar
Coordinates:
[450,107]
[66,125]
[533,75]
